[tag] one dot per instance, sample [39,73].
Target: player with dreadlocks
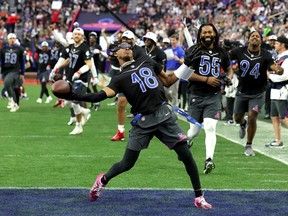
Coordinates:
[204,96]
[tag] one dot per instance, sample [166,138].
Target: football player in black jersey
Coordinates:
[204,93]
[128,37]
[96,51]
[79,59]
[140,83]
[152,50]
[65,42]
[44,55]
[253,63]
[55,55]
[12,63]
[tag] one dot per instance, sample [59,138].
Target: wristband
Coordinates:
[183,72]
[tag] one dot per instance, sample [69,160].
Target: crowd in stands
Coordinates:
[232,18]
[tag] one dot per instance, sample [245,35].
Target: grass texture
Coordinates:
[37,151]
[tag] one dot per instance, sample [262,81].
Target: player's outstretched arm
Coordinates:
[94,97]
[63,89]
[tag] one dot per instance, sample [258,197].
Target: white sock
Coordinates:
[210,137]
[121,128]
[193,131]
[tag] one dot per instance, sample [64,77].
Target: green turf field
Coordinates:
[36,151]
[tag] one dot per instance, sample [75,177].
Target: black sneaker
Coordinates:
[242,131]
[275,144]
[96,106]
[208,166]
[229,122]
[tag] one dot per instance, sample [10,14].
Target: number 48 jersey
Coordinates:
[253,68]
[139,82]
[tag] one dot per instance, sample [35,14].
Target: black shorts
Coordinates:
[44,77]
[279,108]
[248,103]
[162,124]
[205,107]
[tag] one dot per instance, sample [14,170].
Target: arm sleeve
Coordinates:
[188,37]
[89,97]
[104,54]
[59,63]
[59,38]
[93,69]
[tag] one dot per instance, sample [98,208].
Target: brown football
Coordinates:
[61,87]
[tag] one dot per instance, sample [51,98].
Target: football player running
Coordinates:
[204,94]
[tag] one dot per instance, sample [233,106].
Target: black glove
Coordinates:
[227,81]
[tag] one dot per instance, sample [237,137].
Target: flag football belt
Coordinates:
[177,110]
[188,117]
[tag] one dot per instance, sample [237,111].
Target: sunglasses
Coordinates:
[125,46]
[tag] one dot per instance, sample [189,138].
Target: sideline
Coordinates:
[264,135]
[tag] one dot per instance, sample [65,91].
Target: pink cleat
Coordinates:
[200,202]
[97,188]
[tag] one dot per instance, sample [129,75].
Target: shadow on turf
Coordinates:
[139,202]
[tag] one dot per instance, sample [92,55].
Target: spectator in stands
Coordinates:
[3,32]
[11,21]
[55,16]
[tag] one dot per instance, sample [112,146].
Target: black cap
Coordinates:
[227,44]
[283,39]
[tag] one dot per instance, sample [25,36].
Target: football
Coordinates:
[61,87]
[57,77]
